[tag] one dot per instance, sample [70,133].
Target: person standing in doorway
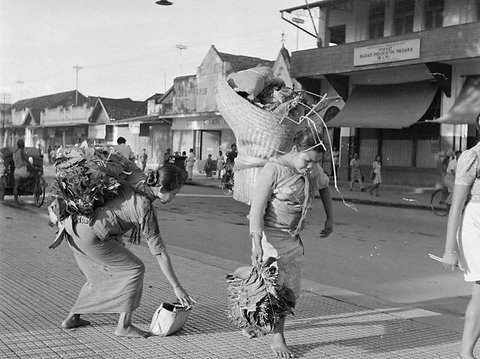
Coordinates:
[144,158]
[189,162]
[356,173]
[209,167]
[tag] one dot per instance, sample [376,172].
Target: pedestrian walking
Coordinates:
[449,178]
[231,155]
[208,167]
[144,158]
[114,274]
[189,162]
[220,164]
[284,190]
[356,173]
[375,177]
[53,154]
[462,245]
[124,149]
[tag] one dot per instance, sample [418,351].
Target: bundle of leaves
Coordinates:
[256,300]
[86,178]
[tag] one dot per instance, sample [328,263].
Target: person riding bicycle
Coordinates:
[23,167]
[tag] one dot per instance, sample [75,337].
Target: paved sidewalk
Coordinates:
[40,285]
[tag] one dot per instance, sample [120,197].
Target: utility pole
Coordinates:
[76,68]
[181,48]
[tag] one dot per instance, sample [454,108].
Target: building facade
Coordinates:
[401,67]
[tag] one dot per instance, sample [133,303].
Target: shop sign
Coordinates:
[389,52]
[200,124]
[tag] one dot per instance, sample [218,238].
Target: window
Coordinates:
[337,34]
[433,14]
[109,133]
[403,17]
[376,21]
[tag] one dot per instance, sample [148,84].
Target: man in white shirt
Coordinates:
[124,149]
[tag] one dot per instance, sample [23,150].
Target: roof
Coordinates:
[64,99]
[240,62]
[118,109]
[155,97]
[285,54]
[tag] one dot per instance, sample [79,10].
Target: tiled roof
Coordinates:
[118,109]
[64,99]
[240,62]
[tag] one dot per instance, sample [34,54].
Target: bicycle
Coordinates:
[440,201]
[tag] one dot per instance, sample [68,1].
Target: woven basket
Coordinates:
[260,134]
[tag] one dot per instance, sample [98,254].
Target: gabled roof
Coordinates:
[240,62]
[167,96]
[155,97]
[118,109]
[285,54]
[64,99]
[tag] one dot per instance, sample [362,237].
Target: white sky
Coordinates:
[127,47]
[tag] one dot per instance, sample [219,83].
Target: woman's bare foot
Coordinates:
[132,332]
[74,321]
[279,346]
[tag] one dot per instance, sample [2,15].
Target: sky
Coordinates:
[128,48]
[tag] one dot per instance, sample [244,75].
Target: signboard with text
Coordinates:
[389,52]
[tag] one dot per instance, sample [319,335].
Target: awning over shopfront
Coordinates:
[385,106]
[466,108]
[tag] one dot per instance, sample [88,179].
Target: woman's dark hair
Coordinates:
[308,138]
[121,140]
[21,143]
[169,176]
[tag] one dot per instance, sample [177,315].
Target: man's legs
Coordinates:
[18,182]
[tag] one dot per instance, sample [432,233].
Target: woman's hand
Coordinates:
[257,255]
[183,297]
[450,260]
[327,228]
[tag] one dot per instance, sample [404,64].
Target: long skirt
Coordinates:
[114,274]
[289,252]
[469,242]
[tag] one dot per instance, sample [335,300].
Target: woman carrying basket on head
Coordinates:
[114,274]
[284,190]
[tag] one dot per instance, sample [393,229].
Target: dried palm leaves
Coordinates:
[256,301]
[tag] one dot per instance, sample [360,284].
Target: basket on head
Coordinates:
[260,134]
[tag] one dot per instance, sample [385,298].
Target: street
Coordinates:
[378,251]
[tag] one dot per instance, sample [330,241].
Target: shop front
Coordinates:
[206,134]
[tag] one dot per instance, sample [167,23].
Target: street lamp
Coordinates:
[163,2]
